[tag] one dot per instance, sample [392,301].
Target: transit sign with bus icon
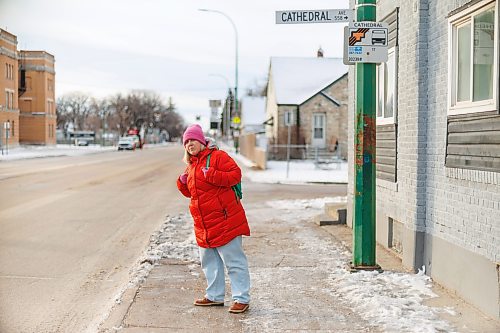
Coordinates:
[366,42]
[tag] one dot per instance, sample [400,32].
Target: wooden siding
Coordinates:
[387,152]
[474,143]
[392,20]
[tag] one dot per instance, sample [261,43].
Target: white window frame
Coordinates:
[288,118]
[388,120]
[455,107]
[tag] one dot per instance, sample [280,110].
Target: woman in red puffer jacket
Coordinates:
[219,219]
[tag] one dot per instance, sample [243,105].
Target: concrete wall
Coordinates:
[449,217]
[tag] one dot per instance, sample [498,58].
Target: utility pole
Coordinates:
[365,165]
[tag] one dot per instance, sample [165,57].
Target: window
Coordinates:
[288,118]
[318,126]
[9,99]
[9,71]
[386,89]
[474,59]
[13,128]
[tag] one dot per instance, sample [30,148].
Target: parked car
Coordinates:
[126,142]
[137,141]
[82,142]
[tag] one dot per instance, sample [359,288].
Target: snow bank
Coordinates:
[391,300]
[174,240]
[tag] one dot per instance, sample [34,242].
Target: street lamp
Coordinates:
[236,53]
[222,77]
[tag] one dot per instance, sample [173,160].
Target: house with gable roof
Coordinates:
[308,97]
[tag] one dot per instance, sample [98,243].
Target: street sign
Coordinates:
[214,103]
[214,115]
[366,42]
[314,16]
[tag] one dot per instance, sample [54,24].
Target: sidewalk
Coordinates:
[299,283]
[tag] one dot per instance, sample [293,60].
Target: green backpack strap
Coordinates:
[236,188]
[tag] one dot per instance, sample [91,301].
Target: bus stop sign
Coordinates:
[366,42]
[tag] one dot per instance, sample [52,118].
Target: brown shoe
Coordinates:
[238,307]
[206,302]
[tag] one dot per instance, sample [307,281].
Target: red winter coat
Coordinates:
[218,215]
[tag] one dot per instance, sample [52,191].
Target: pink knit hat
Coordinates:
[194,132]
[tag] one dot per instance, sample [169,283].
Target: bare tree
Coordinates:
[259,88]
[73,109]
[171,121]
[138,109]
[119,116]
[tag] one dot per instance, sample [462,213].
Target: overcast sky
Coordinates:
[103,47]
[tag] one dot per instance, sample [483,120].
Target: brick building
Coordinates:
[438,143]
[9,111]
[310,94]
[27,101]
[37,117]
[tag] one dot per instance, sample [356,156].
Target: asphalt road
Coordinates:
[71,228]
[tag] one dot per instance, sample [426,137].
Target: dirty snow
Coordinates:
[174,240]
[25,152]
[392,301]
[32,151]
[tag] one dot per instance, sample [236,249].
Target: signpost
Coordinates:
[289,122]
[6,127]
[366,42]
[215,104]
[363,35]
[314,16]
[365,45]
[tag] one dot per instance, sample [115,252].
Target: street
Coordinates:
[72,227]
[104,242]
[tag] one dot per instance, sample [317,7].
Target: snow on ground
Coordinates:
[25,152]
[299,171]
[175,240]
[390,300]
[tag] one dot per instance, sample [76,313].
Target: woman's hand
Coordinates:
[183,178]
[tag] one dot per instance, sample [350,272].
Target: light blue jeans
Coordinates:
[232,256]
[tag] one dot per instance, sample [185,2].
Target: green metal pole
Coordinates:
[365,145]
